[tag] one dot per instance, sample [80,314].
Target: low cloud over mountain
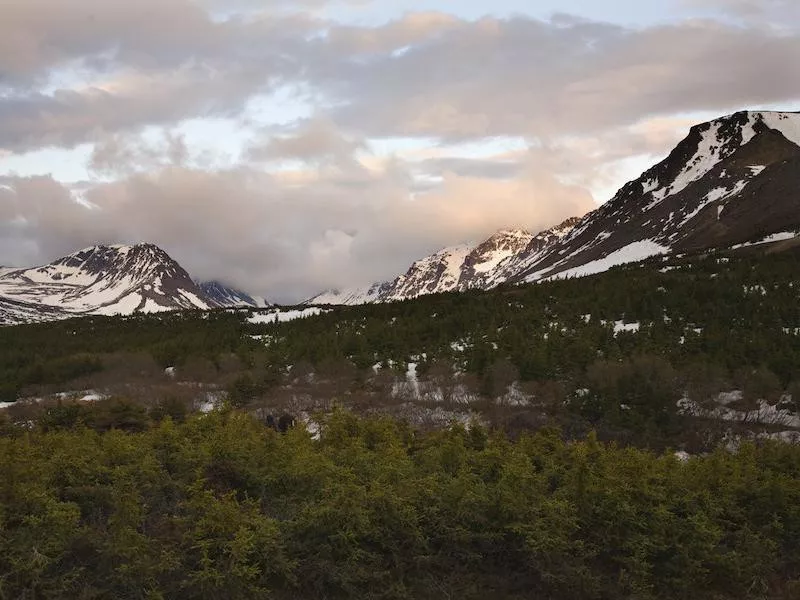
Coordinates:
[297,146]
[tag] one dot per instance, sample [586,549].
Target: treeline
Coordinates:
[729,311]
[221,506]
[56,353]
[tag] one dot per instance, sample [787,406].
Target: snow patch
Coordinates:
[775,237]
[622,326]
[633,252]
[284,316]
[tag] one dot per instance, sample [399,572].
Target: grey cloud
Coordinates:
[314,140]
[750,9]
[147,63]
[521,76]
[117,155]
[37,36]
[425,75]
[67,118]
[286,238]
[472,167]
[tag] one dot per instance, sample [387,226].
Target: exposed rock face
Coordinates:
[222,296]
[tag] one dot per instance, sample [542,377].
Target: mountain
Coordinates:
[222,296]
[104,280]
[457,268]
[352,296]
[731,181]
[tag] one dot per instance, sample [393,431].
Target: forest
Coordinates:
[219,506]
[565,440]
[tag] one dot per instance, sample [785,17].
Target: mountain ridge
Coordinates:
[453,268]
[729,181]
[224,296]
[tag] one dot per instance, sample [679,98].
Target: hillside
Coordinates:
[725,319]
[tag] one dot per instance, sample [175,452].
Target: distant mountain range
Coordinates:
[220,295]
[109,280]
[731,181]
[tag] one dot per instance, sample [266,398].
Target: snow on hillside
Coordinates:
[717,195]
[456,268]
[787,123]
[775,237]
[504,244]
[223,296]
[710,151]
[439,272]
[633,252]
[351,296]
[283,316]
[103,280]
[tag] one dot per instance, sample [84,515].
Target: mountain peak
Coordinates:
[104,279]
[736,165]
[511,232]
[224,296]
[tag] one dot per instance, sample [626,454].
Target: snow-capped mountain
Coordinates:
[222,296]
[353,296]
[100,280]
[513,261]
[731,181]
[457,268]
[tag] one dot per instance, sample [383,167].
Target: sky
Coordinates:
[287,148]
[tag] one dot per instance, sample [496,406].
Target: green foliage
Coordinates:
[221,506]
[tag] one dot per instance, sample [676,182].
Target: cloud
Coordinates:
[425,74]
[38,35]
[315,140]
[117,155]
[520,76]
[334,199]
[71,117]
[288,237]
[71,70]
[759,10]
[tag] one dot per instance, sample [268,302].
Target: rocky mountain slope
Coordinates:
[106,280]
[457,268]
[731,181]
[222,296]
